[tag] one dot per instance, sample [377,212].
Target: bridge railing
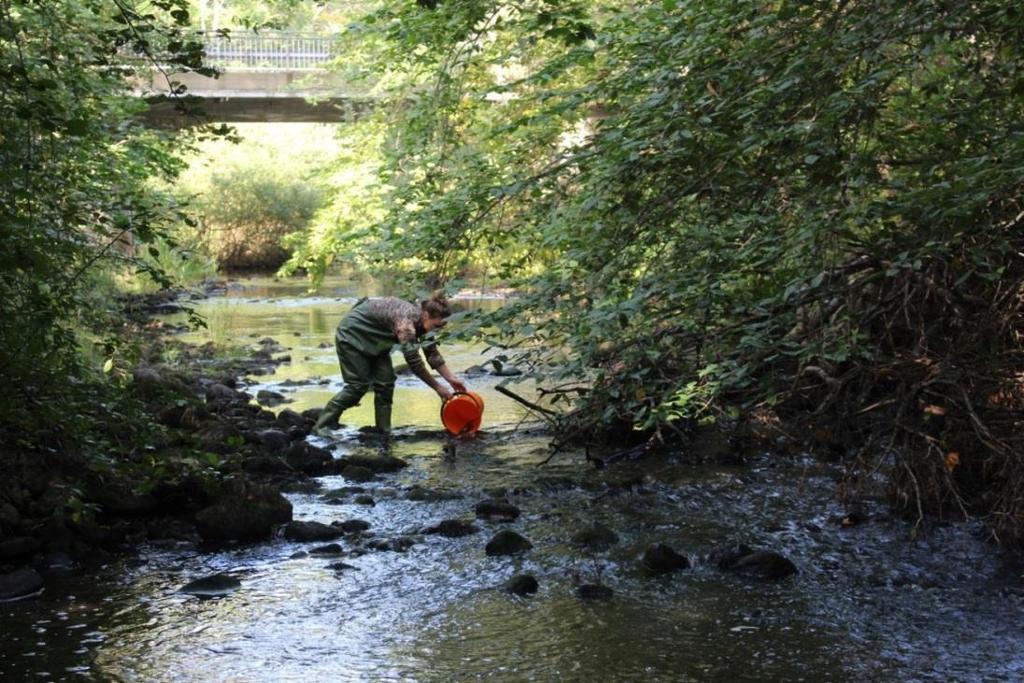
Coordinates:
[269,51]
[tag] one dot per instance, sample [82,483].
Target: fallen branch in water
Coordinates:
[633,453]
[529,404]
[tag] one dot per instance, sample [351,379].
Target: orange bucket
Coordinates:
[462,413]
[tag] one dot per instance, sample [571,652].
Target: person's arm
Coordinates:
[436,361]
[410,350]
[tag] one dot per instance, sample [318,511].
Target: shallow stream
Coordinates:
[868,602]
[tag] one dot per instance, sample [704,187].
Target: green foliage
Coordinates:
[74,172]
[295,15]
[350,208]
[807,208]
[252,194]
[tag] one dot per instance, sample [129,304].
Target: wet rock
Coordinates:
[213,586]
[288,418]
[189,494]
[17,548]
[725,555]
[93,533]
[182,417]
[343,493]
[851,519]
[375,463]
[58,562]
[307,458]
[311,531]
[329,549]
[221,392]
[297,433]
[265,397]
[218,437]
[305,486]
[762,564]
[661,559]
[271,345]
[500,510]
[273,440]
[424,495]
[247,514]
[452,528]
[120,500]
[594,591]
[353,526]
[597,537]
[522,584]
[298,555]
[20,583]
[357,473]
[397,545]
[499,369]
[507,542]
[10,518]
[265,464]
[147,381]
[364,499]
[341,566]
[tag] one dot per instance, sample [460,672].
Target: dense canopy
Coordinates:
[802,216]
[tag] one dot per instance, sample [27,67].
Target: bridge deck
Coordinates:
[268,77]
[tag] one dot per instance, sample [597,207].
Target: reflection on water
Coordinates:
[437,612]
[305,327]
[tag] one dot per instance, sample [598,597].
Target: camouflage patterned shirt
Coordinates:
[375,325]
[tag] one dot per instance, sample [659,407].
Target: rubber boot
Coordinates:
[328,420]
[382,418]
[339,403]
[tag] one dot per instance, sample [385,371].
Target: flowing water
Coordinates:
[868,603]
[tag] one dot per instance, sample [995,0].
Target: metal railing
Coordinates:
[269,51]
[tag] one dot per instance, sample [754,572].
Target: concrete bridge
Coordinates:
[266,77]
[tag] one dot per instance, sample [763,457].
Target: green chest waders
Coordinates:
[364,348]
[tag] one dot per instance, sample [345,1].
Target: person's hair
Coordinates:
[437,305]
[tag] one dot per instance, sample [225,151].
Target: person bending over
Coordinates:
[364,340]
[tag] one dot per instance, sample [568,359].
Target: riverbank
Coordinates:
[354,563]
[194,457]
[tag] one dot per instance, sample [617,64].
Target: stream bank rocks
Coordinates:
[20,583]
[497,509]
[214,586]
[357,473]
[452,528]
[248,513]
[596,537]
[507,542]
[662,559]
[374,463]
[522,584]
[312,531]
[744,560]
[420,494]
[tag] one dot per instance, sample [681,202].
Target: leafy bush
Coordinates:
[251,195]
[74,167]
[805,209]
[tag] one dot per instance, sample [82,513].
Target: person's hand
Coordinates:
[444,393]
[458,385]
